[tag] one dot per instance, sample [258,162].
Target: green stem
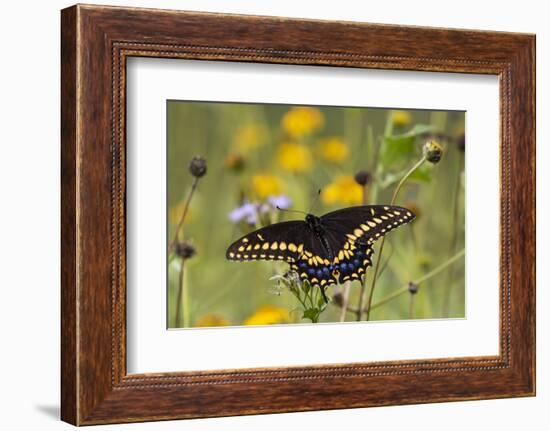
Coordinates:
[405,177]
[184,214]
[181,308]
[186,302]
[388,129]
[454,239]
[345,300]
[419,280]
[364,281]
[394,197]
[411,305]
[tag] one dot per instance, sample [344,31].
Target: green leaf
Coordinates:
[399,148]
[396,149]
[311,314]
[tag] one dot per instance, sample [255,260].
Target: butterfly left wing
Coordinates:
[291,242]
[353,231]
[280,241]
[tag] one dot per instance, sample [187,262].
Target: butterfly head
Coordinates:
[314,223]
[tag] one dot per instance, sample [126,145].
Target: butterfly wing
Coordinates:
[350,233]
[353,231]
[284,241]
[291,242]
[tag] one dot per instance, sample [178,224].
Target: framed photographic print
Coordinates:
[343,210]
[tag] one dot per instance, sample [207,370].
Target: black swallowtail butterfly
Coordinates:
[325,250]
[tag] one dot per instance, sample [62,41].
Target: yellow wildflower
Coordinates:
[294,157]
[401,118]
[302,120]
[268,315]
[249,137]
[265,185]
[212,319]
[344,190]
[334,149]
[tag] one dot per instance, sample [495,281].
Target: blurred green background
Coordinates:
[257,154]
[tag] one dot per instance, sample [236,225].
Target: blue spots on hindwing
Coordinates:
[351,268]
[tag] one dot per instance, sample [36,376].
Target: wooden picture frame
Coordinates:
[96,41]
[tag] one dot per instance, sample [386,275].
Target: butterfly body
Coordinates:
[326,250]
[315,225]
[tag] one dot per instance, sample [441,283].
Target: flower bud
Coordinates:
[413,287]
[432,151]
[362,178]
[185,249]
[338,298]
[197,166]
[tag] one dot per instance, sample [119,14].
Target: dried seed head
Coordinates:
[338,298]
[235,161]
[197,166]
[461,142]
[413,287]
[362,178]
[185,249]
[432,151]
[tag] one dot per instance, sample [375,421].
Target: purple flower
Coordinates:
[280,201]
[247,212]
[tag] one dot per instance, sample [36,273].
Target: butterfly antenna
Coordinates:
[315,201]
[290,211]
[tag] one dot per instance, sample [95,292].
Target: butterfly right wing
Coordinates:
[353,232]
[283,241]
[364,224]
